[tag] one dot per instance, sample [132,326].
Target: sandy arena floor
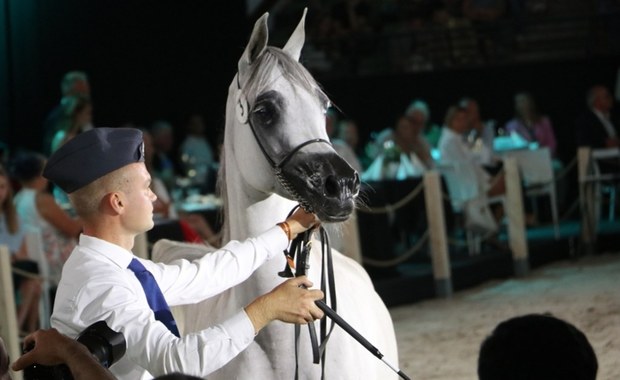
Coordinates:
[440,339]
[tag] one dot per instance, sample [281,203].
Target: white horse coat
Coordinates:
[254,201]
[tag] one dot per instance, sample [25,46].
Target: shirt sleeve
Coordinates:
[149,343]
[183,282]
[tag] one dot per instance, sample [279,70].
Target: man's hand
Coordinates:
[289,302]
[301,221]
[48,347]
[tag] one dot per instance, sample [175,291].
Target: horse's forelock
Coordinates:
[259,77]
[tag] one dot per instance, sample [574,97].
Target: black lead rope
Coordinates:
[297,259]
[298,253]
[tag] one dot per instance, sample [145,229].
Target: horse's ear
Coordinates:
[256,46]
[296,41]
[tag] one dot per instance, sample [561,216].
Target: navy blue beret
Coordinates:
[93,154]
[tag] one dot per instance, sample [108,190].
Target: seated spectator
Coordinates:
[76,116]
[419,114]
[599,126]
[472,180]
[12,235]
[409,138]
[480,136]
[73,83]
[529,124]
[164,164]
[399,155]
[346,141]
[196,152]
[536,347]
[39,212]
[164,206]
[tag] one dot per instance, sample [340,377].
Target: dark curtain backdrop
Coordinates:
[146,60]
[164,59]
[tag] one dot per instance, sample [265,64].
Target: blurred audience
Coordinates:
[480,136]
[196,152]
[164,204]
[536,347]
[12,234]
[76,116]
[599,126]
[346,142]
[530,124]
[410,141]
[73,83]
[39,212]
[471,179]
[195,227]
[419,114]
[164,164]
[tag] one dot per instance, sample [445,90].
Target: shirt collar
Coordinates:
[116,254]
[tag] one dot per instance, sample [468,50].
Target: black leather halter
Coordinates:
[276,166]
[279,166]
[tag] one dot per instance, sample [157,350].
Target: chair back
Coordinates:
[36,253]
[535,166]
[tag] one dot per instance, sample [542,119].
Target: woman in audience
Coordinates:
[530,124]
[76,116]
[39,212]
[12,235]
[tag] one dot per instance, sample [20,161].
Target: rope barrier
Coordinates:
[400,259]
[26,274]
[390,208]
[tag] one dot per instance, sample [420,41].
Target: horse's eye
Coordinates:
[264,113]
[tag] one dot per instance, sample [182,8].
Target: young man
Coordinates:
[103,172]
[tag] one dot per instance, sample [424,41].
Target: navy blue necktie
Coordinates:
[154,296]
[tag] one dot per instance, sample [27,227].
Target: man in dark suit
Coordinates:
[598,127]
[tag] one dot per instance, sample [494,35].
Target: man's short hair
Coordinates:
[87,200]
[536,347]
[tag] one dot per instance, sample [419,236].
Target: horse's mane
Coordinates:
[259,79]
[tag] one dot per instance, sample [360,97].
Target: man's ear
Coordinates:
[114,202]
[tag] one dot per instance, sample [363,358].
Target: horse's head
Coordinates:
[279,140]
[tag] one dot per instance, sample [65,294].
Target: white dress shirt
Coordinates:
[97,285]
[464,176]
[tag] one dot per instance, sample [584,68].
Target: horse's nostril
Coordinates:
[332,188]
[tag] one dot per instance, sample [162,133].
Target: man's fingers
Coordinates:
[21,362]
[302,281]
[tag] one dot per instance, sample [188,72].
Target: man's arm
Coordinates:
[52,348]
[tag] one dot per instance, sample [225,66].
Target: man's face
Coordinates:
[80,87]
[138,200]
[605,100]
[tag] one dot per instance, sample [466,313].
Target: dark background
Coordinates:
[151,60]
